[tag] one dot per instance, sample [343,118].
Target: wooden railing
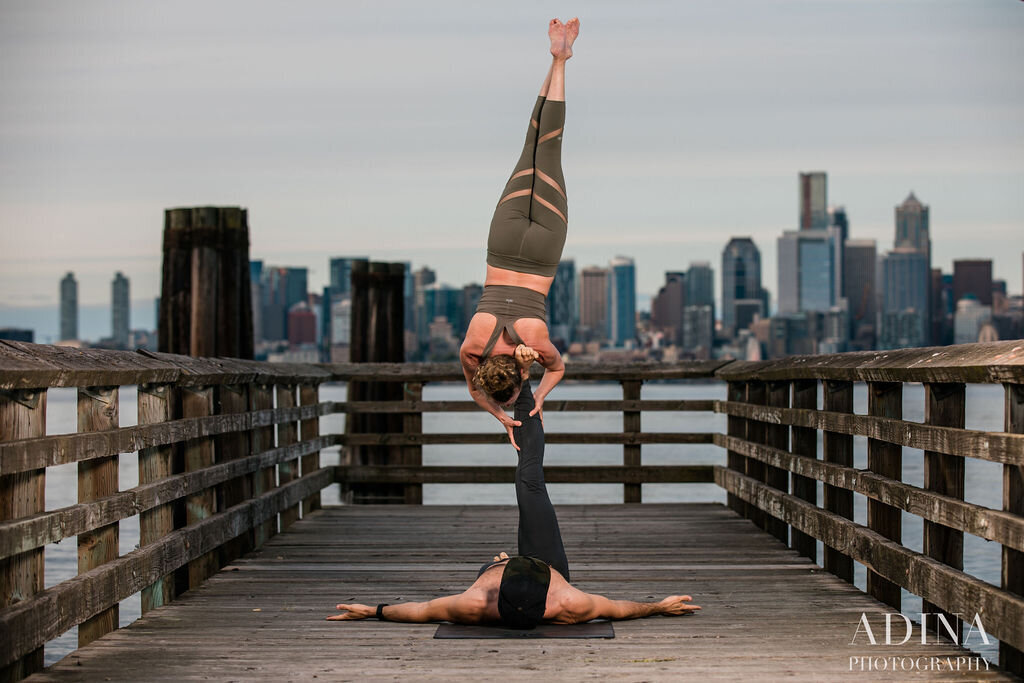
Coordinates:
[773,468]
[215,480]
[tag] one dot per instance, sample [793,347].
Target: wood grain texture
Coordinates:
[805,444]
[575,474]
[156,404]
[837,448]
[631,454]
[1012,656]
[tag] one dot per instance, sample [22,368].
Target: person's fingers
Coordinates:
[512,439]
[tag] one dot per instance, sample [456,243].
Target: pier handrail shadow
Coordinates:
[229,454]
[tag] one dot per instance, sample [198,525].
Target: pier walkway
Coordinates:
[768,614]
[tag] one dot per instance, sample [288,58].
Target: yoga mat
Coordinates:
[590,629]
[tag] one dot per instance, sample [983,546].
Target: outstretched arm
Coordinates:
[458,608]
[587,606]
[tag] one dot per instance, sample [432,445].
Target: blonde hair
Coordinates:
[498,376]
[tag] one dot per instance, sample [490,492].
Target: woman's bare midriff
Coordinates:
[510,278]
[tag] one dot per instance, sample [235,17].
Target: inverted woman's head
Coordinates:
[500,377]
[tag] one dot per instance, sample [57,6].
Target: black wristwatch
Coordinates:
[380,611]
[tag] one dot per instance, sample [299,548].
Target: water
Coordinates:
[982,558]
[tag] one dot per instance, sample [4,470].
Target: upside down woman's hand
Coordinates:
[509,423]
[538,409]
[526,355]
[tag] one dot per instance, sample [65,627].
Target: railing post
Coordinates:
[777,436]
[287,434]
[233,398]
[309,394]
[97,410]
[198,402]
[22,416]
[755,434]
[1011,658]
[805,443]
[945,406]
[736,426]
[838,449]
[261,397]
[885,399]
[412,455]
[631,388]
[156,404]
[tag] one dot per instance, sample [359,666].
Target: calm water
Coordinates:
[983,485]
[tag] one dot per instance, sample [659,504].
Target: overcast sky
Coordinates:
[388,129]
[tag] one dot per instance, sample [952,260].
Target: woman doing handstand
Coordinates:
[508,332]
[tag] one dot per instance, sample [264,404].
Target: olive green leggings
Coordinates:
[529,225]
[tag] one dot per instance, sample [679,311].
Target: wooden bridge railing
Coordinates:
[773,468]
[229,453]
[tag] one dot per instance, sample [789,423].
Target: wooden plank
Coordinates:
[32,366]
[287,434]
[755,433]
[577,474]
[412,456]
[550,405]
[998,447]
[885,399]
[736,426]
[939,583]
[26,454]
[502,438]
[33,531]
[777,436]
[204,299]
[1011,655]
[452,372]
[199,454]
[805,443]
[233,399]
[97,410]
[970,363]
[261,397]
[631,457]
[156,404]
[32,622]
[992,525]
[22,414]
[838,448]
[944,405]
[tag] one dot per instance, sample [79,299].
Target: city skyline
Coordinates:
[101,135]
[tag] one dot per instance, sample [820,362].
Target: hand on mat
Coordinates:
[509,423]
[502,556]
[526,356]
[353,612]
[675,605]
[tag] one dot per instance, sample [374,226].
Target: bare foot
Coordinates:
[572,29]
[556,34]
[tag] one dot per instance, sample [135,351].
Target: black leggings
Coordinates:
[539,535]
[530,222]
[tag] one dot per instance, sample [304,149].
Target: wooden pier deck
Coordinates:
[768,613]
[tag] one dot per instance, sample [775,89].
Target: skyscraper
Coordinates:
[341,274]
[859,259]
[741,277]
[69,307]
[563,306]
[120,311]
[813,200]
[912,229]
[594,302]
[282,288]
[906,302]
[700,285]
[973,276]
[622,300]
[667,308]
[810,270]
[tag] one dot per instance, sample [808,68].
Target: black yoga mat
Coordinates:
[591,629]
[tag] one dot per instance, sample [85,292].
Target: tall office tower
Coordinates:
[120,311]
[421,279]
[341,274]
[973,276]
[256,285]
[698,330]
[905,299]
[813,200]
[859,259]
[912,229]
[700,286]
[563,305]
[444,301]
[622,300]
[594,302]
[741,279]
[471,294]
[837,217]
[810,270]
[667,308]
[69,307]
[971,314]
[283,287]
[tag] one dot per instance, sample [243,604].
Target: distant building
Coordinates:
[747,311]
[813,200]
[667,308]
[912,228]
[698,330]
[256,285]
[283,287]
[837,217]
[421,279]
[69,308]
[17,334]
[906,297]
[810,270]
[741,281]
[859,259]
[444,301]
[341,274]
[120,311]
[700,286]
[622,300]
[301,325]
[471,294]
[563,305]
[973,277]
[971,314]
[594,303]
